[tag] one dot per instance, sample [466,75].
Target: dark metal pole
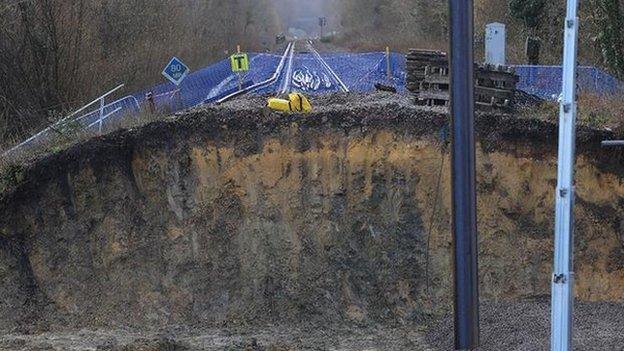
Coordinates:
[609,143]
[464,173]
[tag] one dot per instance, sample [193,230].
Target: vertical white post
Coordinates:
[101,115]
[388,66]
[563,276]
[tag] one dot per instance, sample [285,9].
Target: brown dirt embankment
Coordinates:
[229,216]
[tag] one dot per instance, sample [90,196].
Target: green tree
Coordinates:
[528,11]
[609,17]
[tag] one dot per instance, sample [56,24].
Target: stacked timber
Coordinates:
[495,87]
[428,79]
[422,64]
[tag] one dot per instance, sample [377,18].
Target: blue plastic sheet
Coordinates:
[358,71]
[545,81]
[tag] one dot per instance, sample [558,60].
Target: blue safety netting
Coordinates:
[210,83]
[545,81]
[359,73]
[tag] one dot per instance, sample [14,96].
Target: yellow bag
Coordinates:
[279,104]
[299,103]
[296,103]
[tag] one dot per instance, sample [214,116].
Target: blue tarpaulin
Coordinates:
[358,71]
[545,81]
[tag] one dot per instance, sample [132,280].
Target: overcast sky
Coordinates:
[304,13]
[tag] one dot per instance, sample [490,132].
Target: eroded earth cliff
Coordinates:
[233,216]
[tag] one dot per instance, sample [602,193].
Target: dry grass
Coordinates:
[602,111]
[13,165]
[596,111]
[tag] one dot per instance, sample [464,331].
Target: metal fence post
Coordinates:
[388,66]
[151,106]
[101,117]
[563,275]
[466,280]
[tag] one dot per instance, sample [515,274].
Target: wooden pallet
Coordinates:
[428,79]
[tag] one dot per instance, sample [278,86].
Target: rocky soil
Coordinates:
[233,228]
[269,338]
[513,326]
[525,325]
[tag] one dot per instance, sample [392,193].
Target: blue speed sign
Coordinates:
[176,71]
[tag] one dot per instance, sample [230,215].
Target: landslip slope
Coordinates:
[232,215]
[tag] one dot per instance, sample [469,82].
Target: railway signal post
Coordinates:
[240,64]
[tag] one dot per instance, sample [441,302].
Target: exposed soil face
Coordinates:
[230,216]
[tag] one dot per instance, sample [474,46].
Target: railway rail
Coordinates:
[289,52]
[328,68]
[284,73]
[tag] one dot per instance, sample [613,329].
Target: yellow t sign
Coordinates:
[240,62]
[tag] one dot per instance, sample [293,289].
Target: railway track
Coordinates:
[282,80]
[289,69]
[328,68]
[288,53]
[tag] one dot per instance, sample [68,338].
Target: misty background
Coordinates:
[57,54]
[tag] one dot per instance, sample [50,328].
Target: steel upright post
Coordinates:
[388,64]
[101,116]
[563,276]
[464,175]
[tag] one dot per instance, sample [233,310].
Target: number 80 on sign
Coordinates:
[176,71]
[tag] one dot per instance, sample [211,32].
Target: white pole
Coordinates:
[101,119]
[563,276]
[94,101]
[388,66]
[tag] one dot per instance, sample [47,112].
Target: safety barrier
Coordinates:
[545,81]
[329,69]
[271,80]
[312,73]
[205,85]
[89,121]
